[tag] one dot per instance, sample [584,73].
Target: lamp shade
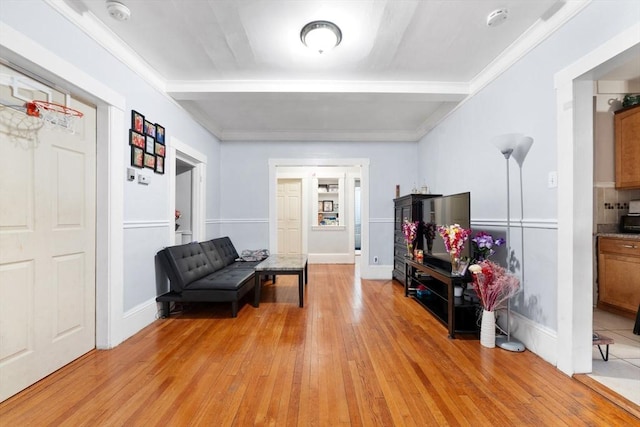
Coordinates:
[523,146]
[507,142]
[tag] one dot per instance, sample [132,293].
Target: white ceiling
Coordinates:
[239,66]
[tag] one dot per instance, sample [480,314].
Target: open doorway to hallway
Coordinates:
[289,201]
[184,201]
[357,228]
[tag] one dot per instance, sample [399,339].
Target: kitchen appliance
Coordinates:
[630,223]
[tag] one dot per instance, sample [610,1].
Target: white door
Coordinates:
[289,216]
[47,240]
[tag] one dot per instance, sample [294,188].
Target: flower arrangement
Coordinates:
[454,237]
[493,284]
[177,216]
[483,244]
[410,231]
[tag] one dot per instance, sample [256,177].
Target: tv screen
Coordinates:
[443,211]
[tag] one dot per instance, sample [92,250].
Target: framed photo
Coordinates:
[159,165]
[327,206]
[149,129]
[150,145]
[159,134]
[137,157]
[320,207]
[137,139]
[149,161]
[137,121]
[160,149]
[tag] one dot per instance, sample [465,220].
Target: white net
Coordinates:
[17,124]
[56,116]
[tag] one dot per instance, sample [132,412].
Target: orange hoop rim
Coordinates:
[56,108]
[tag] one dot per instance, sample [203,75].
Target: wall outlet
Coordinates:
[143,179]
[375,259]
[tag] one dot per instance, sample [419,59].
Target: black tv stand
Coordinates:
[456,313]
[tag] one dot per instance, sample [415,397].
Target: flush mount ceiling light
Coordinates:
[321,35]
[118,11]
[497,17]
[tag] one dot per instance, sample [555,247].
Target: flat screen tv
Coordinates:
[443,211]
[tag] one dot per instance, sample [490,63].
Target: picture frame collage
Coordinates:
[147,141]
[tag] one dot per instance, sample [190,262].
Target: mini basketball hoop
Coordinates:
[17,123]
[54,115]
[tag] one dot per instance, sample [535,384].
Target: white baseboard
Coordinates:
[331,259]
[138,318]
[536,338]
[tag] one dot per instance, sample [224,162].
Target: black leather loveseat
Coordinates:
[206,272]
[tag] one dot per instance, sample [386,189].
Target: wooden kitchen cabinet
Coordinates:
[619,275]
[627,147]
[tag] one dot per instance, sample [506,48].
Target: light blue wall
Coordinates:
[146,212]
[245,185]
[523,100]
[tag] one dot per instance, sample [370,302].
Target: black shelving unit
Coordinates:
[456,313]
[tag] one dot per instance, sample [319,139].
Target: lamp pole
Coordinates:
[503,341]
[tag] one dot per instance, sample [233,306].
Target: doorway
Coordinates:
[357,227]
[574,98]
[289,202]
[48,234]
[186,168]
[184,201]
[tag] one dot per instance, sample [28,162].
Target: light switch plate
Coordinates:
[131,174]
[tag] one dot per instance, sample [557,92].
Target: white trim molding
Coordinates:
[574,110]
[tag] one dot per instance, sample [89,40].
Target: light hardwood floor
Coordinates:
[358,353]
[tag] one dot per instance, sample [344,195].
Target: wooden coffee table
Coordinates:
[277,265]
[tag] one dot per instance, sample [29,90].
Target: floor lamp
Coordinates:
[508,144]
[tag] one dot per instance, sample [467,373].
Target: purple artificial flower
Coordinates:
[483,244]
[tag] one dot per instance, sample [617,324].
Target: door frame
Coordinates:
[22,52]
[574,110]
[365,269]
[177,150]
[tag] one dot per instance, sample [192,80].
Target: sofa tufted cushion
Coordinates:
[226,250]
[188,262]
[212,253]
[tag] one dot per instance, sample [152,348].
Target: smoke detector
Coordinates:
[118,11]
[497,17]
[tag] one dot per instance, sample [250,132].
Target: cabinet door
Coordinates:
[619,274]
[627,128]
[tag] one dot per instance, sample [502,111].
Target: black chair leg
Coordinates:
[604,357]
[636,327]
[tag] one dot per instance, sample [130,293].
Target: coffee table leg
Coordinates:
[300,288]
[256,290]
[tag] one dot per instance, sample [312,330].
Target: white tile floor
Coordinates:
[622,372]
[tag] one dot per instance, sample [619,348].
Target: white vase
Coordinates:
[488,329]
[457,291]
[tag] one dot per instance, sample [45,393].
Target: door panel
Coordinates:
[289,216]
[47,242]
